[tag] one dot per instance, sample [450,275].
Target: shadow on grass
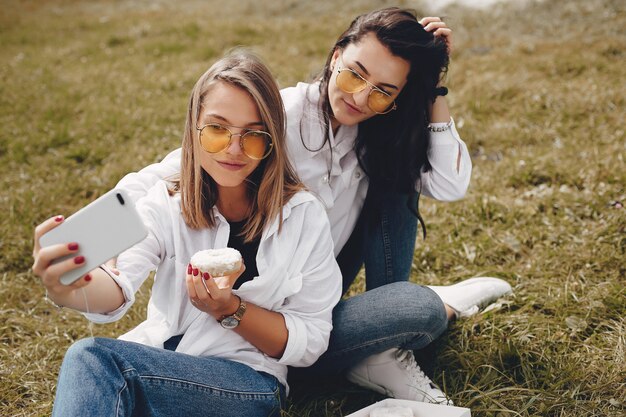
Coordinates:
[328,397]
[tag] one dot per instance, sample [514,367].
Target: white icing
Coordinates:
[217,262]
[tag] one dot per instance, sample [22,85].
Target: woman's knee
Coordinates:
[81,348]
[86,353]
[419,308]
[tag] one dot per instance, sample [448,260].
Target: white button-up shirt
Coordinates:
[298,277]
[343,192]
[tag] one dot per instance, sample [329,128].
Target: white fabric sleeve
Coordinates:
[444,181]
[129,299]
[308,313]
[136,263]
[137,184]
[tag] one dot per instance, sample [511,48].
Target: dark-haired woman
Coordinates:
[369,137]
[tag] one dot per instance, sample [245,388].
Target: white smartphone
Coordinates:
[103,229]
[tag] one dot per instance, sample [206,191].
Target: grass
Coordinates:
[93,90]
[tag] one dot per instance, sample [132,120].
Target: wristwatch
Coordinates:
[230,322]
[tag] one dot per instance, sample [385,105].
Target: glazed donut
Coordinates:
[217,262]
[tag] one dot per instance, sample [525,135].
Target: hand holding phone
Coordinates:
[103,229]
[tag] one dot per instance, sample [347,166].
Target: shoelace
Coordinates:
[406,358]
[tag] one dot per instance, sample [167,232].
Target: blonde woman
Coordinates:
[235,188]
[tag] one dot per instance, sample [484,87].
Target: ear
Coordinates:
[334,58]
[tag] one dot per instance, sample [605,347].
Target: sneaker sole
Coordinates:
[471,281]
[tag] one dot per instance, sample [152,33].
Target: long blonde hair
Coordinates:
[272,183]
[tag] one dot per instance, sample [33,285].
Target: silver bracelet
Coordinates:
[440,128]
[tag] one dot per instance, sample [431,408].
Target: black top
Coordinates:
[248,252]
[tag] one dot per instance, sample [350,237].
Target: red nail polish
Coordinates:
[58,218]
[79,260]
[72,246]
[87,277]
[206,276]
[189,269]
[195,272]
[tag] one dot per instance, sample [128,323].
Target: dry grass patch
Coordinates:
[92,90]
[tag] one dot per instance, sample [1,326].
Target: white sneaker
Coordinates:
[466,297]
[395,373]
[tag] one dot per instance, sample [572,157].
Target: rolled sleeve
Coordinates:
[129,299]
[296,342]
[451,167]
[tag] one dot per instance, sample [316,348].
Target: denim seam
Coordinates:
[241,394]
[386,248]
[377,341]
[278,400]
[118,406]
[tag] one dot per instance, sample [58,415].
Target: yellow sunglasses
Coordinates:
[255,144]
[350,81]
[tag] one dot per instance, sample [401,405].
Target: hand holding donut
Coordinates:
[439,29]
[209,292]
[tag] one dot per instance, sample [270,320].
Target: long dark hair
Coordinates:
[393,148]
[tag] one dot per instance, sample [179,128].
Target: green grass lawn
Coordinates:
[92,90]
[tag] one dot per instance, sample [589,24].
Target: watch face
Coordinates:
[229,322]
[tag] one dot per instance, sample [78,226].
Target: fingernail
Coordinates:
[79,260]
[72,246]
[206,276]
[195,272]
[189,269]
[58,218]
[87,277]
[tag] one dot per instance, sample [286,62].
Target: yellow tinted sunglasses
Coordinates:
[255,144]
[350,81]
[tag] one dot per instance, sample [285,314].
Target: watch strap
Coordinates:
[241,310]
[237,315]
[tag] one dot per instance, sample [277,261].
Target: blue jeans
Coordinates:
[392,313]
[386,247]
[398,315]
[110,377]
